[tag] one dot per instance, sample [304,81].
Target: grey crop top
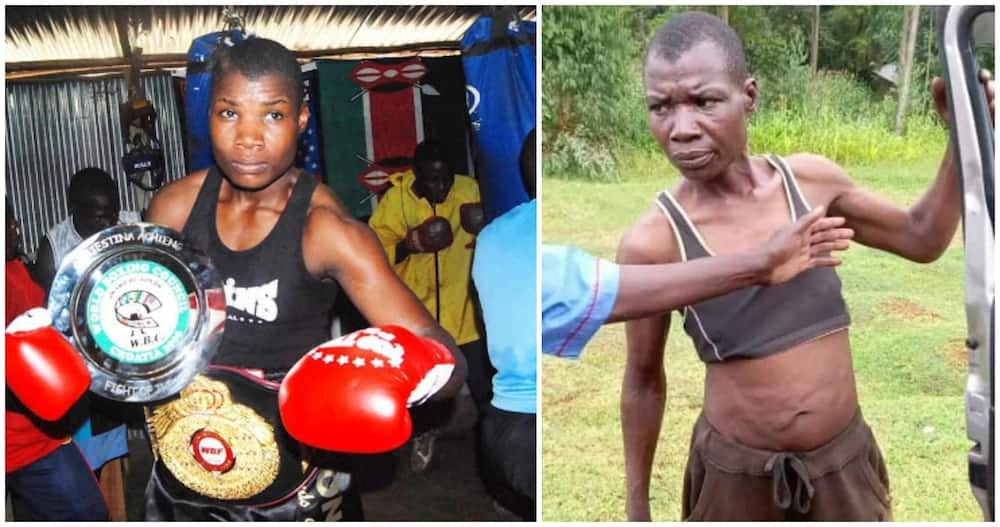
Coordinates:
[758,321]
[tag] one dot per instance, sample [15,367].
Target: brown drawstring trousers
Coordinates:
[843,480]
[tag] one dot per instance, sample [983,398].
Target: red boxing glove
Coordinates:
[430,236]
[351,393]
[43,369]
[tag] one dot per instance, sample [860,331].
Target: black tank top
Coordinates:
[275,310]
[758,321]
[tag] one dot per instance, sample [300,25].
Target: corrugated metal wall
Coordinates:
[56,128]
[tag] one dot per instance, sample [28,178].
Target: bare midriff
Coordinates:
[794,400]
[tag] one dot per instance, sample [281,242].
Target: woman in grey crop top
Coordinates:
[781,436]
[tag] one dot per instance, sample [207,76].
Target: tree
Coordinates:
[930,34]
[907,46]
[859,39]
[814,41]
[587,72]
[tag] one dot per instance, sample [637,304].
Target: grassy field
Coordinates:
[907,341]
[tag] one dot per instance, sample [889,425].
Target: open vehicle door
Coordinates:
[960,30]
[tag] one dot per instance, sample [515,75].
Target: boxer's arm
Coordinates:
[647,290]
[920,233]
[385,225]
[336,246]
[644,388]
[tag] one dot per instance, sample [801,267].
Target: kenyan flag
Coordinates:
[374,112]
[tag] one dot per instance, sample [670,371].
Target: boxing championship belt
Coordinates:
[143,307]
[221,454]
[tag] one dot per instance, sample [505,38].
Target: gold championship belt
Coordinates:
[221,454]
[214,446]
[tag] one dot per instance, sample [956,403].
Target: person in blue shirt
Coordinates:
[581,292]
[504,273]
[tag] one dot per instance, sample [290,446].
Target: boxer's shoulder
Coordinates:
[189,183]
[326,211]
[172,203]
[820,178]
[332,234]
[649,240]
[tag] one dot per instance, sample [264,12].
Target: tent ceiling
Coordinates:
[63,37]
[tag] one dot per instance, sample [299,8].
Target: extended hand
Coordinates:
[941,99]
[806,244]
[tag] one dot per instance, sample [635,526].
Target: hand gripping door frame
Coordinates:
[975,153]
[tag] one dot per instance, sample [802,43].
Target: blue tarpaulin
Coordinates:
[498,53]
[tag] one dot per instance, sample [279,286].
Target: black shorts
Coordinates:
[507,454]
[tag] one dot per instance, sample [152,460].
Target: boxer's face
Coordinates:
[697,111]
[255,125]
[434,180]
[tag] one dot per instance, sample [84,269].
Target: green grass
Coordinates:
[906,338]
[861,140]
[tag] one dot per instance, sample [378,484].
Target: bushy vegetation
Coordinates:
[594,120]
[588,82]
[837,117]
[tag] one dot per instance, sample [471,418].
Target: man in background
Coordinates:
[427,223]
[94,206]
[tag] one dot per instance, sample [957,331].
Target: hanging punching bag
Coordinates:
[498,54]
[196,93]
